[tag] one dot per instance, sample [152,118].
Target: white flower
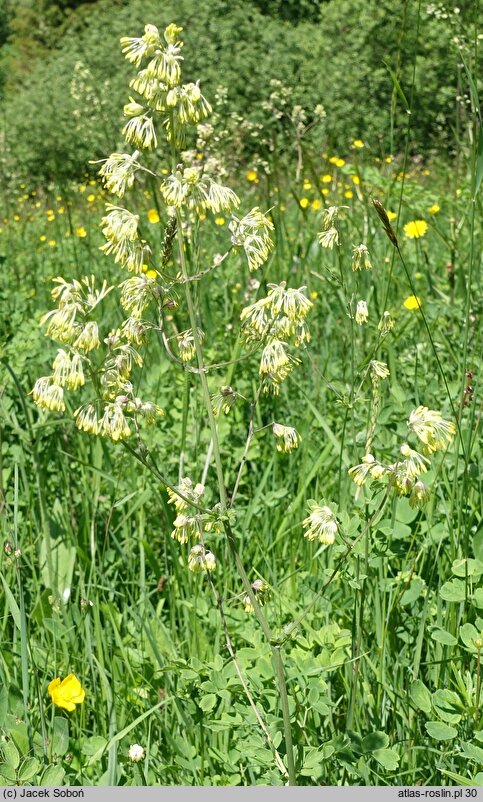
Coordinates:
[136,753]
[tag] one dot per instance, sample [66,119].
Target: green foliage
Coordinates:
[73,96]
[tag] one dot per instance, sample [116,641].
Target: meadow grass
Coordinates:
[378,635]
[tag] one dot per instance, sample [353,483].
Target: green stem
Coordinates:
[276,657]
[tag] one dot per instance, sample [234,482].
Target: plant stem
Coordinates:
[276,656]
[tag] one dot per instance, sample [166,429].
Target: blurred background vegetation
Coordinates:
[62,80]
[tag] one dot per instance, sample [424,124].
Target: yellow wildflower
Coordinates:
[219,221]
[391,215]
[252,176]
[52,243]
[68,693]
[80,231]
[326,179]
[348,194]
[358,143]
[316,204]
[356,180]
[337,161]
[153,216]
[415,229]
[304,202]
[434,209]
[412,302]
[91,198]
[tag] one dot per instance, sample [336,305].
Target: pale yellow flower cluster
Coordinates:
[273,321]
[252,234]
[108,416]
[403,476]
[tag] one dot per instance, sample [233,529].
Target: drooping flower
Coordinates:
[200,560]
[288,438]
[360,258]
[362,313]
[66,693]
[431,428]
[321,524]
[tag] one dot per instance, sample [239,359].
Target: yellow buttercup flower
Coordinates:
[80,231]
[358,143]
[434,209]
[153,216]
[391,215]
[304,202]
[66,693]
[348,194]
[356,180]
[337,161]
[91,198]
[220,221]
[412,302]
[316,204]
[415,229]
[326,179]
[252,176]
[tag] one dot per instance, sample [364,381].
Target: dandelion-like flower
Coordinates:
[412,302]
[432,429]
[415,229]
[288,438]
[321,524]
[66,693]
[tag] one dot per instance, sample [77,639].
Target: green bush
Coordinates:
[67,110]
